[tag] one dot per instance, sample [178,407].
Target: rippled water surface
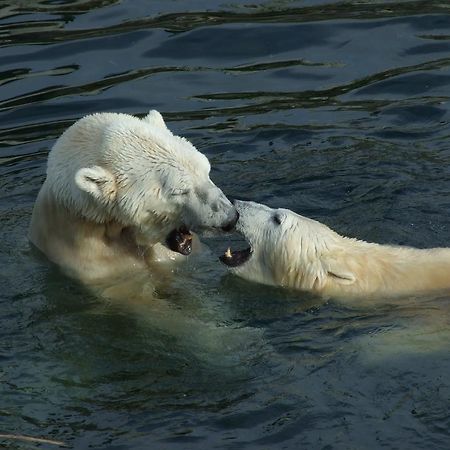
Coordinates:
[337,110]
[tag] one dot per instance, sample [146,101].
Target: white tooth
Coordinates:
[228,253]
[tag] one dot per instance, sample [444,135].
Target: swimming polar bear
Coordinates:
[292,251]
[122,193]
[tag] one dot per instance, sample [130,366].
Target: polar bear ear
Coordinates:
[339,272]
[154,118]
[97,182]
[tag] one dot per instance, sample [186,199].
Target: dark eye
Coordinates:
[277,219]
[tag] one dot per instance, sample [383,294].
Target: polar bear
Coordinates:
[122,193]
[289,250]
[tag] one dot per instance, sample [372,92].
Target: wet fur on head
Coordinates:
[114,178]
[296,252]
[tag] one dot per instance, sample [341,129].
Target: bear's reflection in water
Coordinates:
[419,328]
[176,303]
[196,311]
[233,317]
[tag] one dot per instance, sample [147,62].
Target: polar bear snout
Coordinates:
[210,209]
[225,220]
[237,258]
[232,223]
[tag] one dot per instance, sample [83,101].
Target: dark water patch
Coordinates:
[73,48]
[417,113]
[410,84]
[436,37]
[33,133]
[428,49]
[363,85]
[254,41]
[405,135]
[185,21]
[60,7]
[275,65]
[87,89]
[19,74]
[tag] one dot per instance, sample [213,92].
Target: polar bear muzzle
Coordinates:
[229,226]
[180,241]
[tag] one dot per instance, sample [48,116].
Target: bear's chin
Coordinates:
[180,240]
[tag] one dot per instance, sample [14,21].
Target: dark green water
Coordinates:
[337,110]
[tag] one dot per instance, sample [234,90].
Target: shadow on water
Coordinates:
[338,110]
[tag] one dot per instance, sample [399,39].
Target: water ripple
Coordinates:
[338,110]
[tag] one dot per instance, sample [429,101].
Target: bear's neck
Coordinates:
[85,249]
[388,271]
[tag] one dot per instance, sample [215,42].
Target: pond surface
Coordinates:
[337,110]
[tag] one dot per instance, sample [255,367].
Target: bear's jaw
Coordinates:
[180,240]
[236,258]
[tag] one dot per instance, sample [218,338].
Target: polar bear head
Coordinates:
[286,249]
[116,167]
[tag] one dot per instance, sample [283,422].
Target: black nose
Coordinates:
[230,225]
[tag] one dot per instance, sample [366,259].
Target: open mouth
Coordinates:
[236,258]
[180,240]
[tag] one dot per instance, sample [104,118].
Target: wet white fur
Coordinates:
[116,185]
[304,254]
